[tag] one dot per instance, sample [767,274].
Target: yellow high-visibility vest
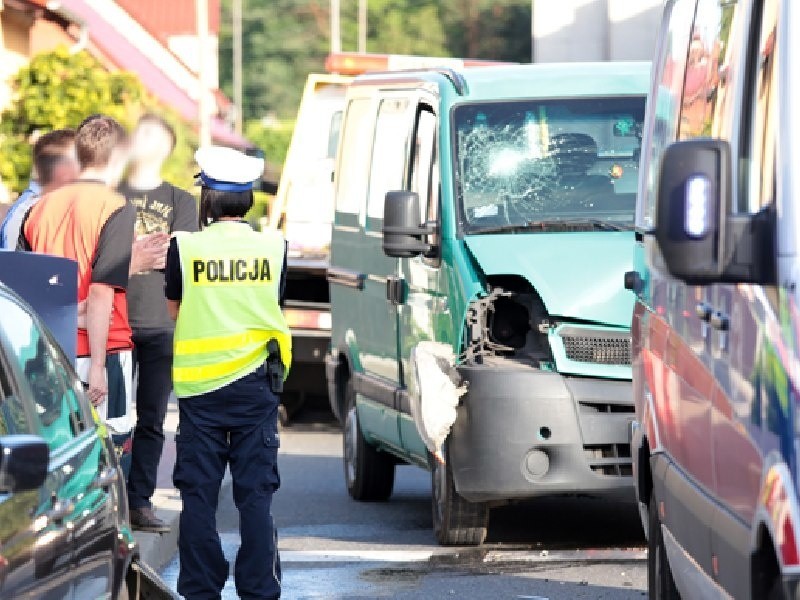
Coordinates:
[230,306]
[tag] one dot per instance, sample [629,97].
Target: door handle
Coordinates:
[703,311]
[59,510]
[106,478]
[719,321]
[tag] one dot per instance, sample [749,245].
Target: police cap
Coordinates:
[226,169]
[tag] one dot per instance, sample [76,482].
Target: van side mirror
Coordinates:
[403,235]
[700,237]
[23,462]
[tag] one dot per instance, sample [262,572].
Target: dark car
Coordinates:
[716,327]
[64,530]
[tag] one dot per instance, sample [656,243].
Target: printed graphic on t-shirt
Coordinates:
[152,215]
[165,209]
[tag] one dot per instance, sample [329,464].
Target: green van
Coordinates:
[483,225]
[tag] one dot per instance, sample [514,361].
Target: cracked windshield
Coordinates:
[548,165]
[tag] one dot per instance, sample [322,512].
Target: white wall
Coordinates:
[581,30]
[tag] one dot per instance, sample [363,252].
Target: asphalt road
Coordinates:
[335,548]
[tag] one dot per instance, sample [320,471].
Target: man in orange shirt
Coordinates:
[90,223]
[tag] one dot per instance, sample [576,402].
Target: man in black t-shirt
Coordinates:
[161,210]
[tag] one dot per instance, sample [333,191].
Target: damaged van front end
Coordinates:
[546,363]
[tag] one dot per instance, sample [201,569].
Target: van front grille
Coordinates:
[610,460]
[604,350]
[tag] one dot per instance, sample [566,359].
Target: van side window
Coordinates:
[356,148]
[334,133]
[390,153]
[764,111]
[711,65]
[423,162]
[666,97]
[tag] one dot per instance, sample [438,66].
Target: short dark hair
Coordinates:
[215,204]
[49,150]
[161,122]
[96,139]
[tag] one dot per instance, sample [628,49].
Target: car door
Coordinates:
[423,301]
[364,324]
[752,410]
[715,55]
[81,501]
[35,537]
[651,281]
[346,272]
[379,341]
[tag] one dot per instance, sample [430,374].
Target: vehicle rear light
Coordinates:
[788,543]
[353,63]
[297,318]
[779,507]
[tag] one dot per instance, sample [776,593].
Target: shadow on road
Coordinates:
[313,503]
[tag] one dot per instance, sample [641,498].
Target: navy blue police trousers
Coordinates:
[236,425]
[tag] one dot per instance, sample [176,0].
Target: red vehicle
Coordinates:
[716,344]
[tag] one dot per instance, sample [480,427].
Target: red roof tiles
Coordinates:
[174,17]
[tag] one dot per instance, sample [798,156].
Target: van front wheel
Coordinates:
[456,521]
[368,473]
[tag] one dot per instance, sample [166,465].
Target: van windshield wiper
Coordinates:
[555,225]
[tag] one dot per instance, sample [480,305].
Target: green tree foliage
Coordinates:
[488,29]
[273,139]
[284,40]
[397,27]
[59,89]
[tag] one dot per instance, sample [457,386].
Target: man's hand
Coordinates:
[99,304]
[149,252]
[98,384]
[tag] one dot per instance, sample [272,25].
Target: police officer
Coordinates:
[232,351]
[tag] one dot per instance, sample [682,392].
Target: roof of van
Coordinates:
[542,80]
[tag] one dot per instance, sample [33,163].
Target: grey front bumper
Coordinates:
[522,433]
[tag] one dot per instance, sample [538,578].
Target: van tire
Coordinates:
[368,472]
[660,582]
[456,521]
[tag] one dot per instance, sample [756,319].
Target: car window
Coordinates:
[425,171]
[712,62]
[422,163]
[45,374]
[390,153]
[764,110]
[356,147]
[334,132]
[14,418]
[665,101]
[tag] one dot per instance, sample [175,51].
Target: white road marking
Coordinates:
[351,556]
[357,555]
[600,555]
